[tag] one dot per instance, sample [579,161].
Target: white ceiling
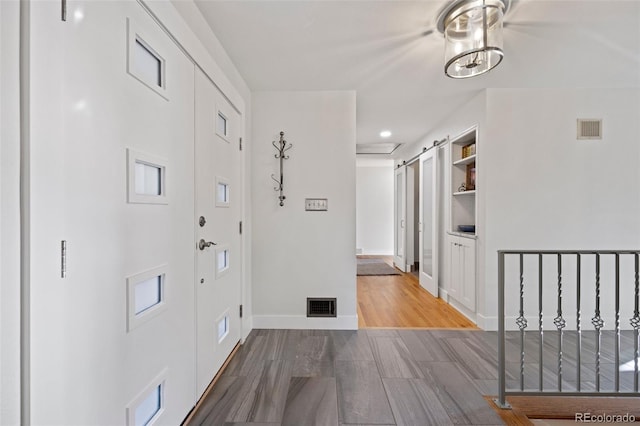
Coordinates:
[388,52]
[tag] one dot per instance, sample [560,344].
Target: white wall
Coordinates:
[9,215]
[547,190]
[374,206]
[298,254]
[541,188]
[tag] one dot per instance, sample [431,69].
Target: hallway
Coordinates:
[399,301]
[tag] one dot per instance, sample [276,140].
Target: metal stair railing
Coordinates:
[536,346]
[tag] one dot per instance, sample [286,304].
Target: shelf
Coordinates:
[462,172]
[465,160]
[465,139]
[470,235]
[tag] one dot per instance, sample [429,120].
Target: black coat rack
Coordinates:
[281,147]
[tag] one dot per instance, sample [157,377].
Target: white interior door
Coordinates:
[400,218]
[218,213]
[111,203]
[429,221]
[410,223]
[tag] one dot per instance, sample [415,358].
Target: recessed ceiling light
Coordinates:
[385,134]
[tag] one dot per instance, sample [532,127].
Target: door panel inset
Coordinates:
[429,221]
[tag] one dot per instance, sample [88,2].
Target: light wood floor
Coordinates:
[399,301]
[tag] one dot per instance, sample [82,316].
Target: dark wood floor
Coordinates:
[389,377]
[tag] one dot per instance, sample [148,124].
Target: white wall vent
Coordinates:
[589,128]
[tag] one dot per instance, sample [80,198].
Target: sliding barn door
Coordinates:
[428,262]
[111,242]
[400,218]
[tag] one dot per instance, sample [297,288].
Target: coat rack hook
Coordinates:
[277,188]
[281,146]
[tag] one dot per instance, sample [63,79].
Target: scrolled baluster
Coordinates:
[635,322]
[597,322]
[521,321]
[560,323]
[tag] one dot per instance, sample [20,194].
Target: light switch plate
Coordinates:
[316,204]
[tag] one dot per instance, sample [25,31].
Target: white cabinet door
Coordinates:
[455,275]
[467,248]
[462,255]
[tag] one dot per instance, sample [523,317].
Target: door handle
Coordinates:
[204,244]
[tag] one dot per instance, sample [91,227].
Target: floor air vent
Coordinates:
[321,307]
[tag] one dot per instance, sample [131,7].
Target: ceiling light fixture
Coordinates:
[473,36]
[385,134]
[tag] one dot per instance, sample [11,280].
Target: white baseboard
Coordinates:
[487,323]
[342,322]
[472,316]
[462,309]
[375,253]
[443,294]
[247,326]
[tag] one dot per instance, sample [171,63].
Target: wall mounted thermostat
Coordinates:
[316,204]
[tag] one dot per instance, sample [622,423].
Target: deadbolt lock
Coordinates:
[202,221]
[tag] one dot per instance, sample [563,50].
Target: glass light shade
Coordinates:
[473,40]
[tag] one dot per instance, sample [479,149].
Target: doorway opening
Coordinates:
[394,296]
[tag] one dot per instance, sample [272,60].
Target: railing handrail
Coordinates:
[528,251]
[560,322]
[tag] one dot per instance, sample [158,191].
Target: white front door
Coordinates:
[400,218]
[111,255]
[429,222]
[218,213]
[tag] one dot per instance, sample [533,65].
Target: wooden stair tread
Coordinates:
[566,407]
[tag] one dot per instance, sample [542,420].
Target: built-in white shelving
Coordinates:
[463,180]
[473,192]
[462,245]
[466,160]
